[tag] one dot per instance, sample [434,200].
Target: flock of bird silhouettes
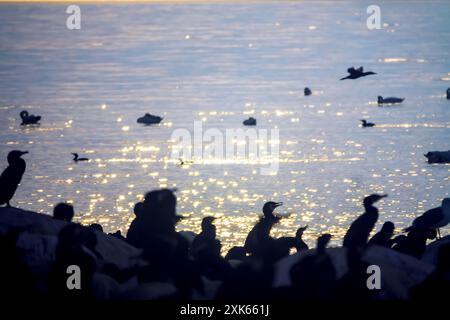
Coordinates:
[153,230]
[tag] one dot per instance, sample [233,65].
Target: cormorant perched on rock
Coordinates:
[300,245]
[313,277]
[11,177]
[366,124]
[383,237]
[307,91]
[249,122]
[64,212]
[434,218]
[29,118]
[76,159]
[205,243]
[357,73]
[390,100]
[358,233]
[258,238]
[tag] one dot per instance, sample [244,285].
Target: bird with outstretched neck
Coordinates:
[11,177]
[357,73]
[358,233]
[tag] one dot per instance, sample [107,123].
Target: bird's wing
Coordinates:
[360,69]
[429,219]
[351,70]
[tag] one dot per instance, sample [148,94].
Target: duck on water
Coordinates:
[149,119]
[389,100]
[29,118]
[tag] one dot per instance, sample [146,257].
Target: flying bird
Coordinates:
[357,73]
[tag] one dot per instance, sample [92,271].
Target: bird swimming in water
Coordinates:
[366,124]
[76,158]
[11,177]
[357,73]
[307,91]
[183,162]
[359,231]
[29,118]
[434,218]
[149,119]
[448,94]
[250,122]
[389,100]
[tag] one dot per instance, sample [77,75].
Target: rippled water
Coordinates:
[219,64]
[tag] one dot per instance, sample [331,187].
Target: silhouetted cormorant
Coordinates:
[383,237]
[448,93]
[367,124]
[76,159]
[307,91]
[29,118]
[149,119]
[299,243]
[258,238]
[11,177]
[434,218]
[250,122]
[358,233]
[63,211]
[205,243]
[357,73]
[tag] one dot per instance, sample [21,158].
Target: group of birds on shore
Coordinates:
[191,264]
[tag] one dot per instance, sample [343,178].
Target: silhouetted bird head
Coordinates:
[388,227]
[269,207]
[373,198]
[322,242]
[207,222]
[300,231]
[14,155]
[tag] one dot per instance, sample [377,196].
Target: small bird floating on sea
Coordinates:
[366,124]
[448,94]
[307,91]
[357,73]
[149,119]
[389,100]
[76,158]
[250,122]
[29,118]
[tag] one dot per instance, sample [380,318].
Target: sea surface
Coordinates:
[220,64]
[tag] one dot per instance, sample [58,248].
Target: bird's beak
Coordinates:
[278,204]
[383,196]
[23,152]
